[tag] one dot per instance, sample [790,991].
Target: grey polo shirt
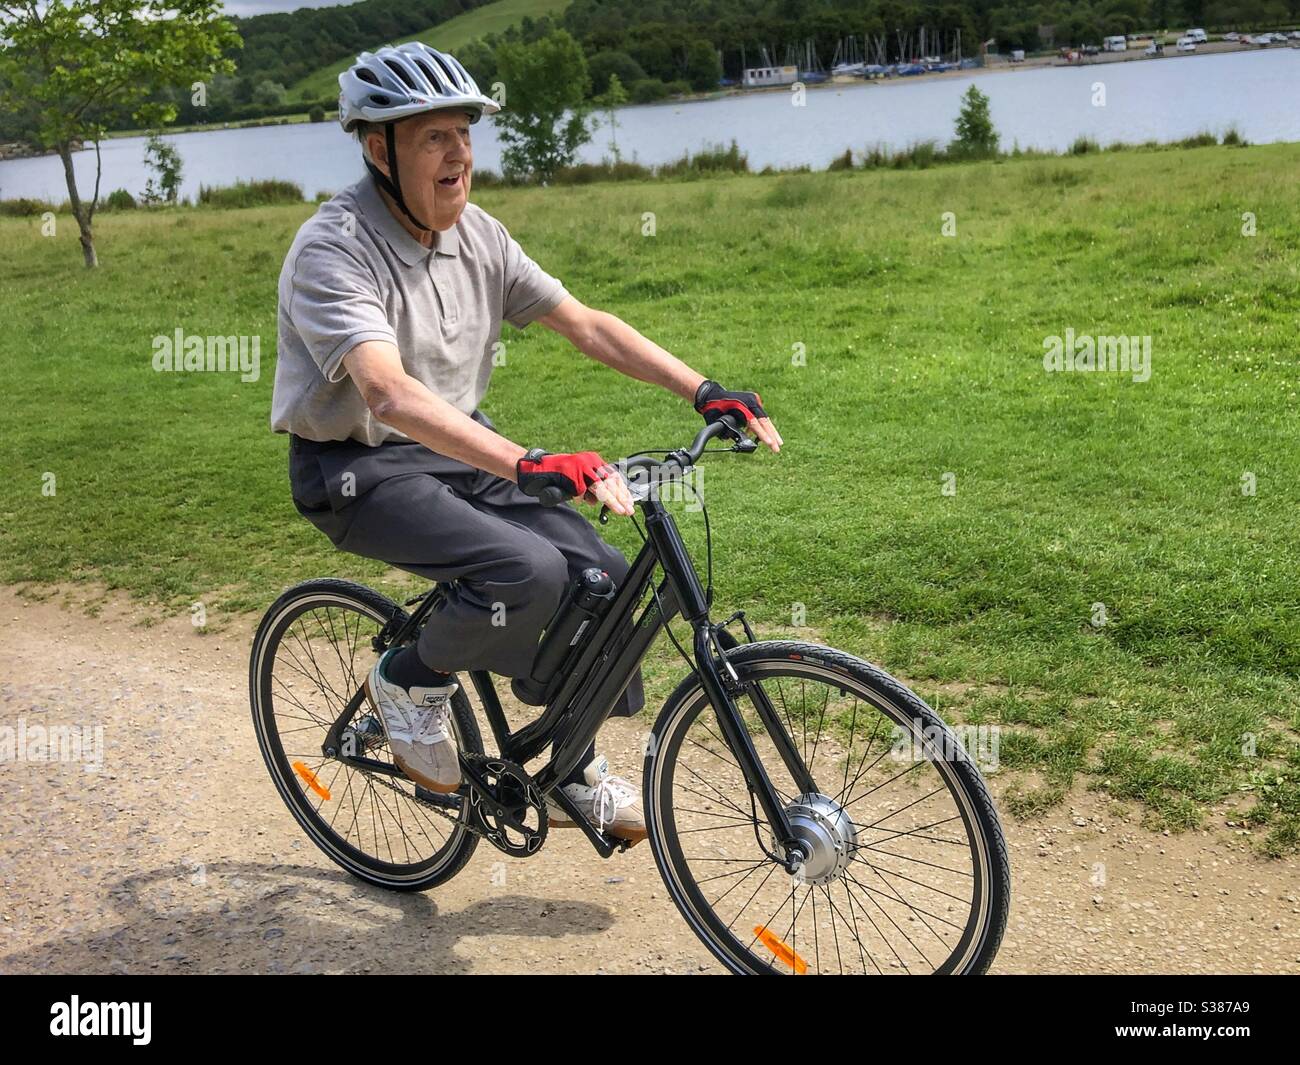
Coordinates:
[354,274]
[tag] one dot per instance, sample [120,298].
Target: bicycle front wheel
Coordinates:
[907,869]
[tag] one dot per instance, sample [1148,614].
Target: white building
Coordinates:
[755,77]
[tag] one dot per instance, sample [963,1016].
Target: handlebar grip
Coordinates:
[552,496]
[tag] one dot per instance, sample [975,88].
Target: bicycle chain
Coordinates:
[467,824]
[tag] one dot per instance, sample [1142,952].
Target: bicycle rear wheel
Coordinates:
[311,654]
[908,869]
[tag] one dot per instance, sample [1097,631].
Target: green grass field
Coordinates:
[446,37]
[923,359]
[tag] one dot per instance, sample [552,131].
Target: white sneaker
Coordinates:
[611,803]
[417,722]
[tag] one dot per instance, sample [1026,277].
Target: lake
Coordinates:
[1046,107]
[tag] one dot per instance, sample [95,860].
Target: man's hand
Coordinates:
[583,475]
[713,401]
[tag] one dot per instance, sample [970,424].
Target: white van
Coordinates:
[1197,36]
[1115,44]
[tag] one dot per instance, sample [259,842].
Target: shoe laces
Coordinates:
[429,724]
[611,793]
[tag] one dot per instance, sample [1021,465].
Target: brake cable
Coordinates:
[708,549]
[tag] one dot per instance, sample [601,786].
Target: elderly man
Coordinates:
[390,303]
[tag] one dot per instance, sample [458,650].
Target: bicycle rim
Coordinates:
[908,874]
[312,653]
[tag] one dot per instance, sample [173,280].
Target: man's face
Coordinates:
[434,164]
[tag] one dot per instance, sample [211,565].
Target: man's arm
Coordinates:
[608,339]
[397,399]
[612,341]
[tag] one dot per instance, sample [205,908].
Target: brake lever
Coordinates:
[637,490]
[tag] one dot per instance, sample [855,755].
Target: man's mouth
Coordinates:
[451,182]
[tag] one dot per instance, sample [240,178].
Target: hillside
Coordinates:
[448,36]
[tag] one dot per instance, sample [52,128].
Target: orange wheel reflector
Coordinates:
[783,951]
[311,780]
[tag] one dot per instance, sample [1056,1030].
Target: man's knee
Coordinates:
[535,578]
[614,563]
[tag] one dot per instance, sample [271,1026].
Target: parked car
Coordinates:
[1197,36]
[1186,44]
[1232,36]
[1089,49]
[1154,48]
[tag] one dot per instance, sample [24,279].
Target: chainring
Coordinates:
[511,812]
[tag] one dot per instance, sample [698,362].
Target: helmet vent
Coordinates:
[451,74]
[380,100]
[401,72]
[367,75]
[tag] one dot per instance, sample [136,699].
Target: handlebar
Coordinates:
[680,461]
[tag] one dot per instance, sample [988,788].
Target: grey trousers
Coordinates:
[511,558]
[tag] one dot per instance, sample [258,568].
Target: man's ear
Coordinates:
[377,151]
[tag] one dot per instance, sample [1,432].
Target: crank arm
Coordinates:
[474,788]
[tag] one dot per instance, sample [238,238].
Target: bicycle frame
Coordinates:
[605,666]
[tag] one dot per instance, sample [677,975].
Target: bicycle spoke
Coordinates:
[904,873]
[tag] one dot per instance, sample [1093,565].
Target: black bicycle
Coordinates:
[808,813]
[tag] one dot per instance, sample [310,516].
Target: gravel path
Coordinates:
[178,856]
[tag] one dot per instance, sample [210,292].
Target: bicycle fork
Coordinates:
[718,685]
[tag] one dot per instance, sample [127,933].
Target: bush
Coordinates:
[1204,139]
[918,156]
[487,179]
[120,200]
[647,90]
[789,192]
[842,162]
[678,88]
[586,173]
[712,160]
[250,194]
[601,65]
[1061,176]
[316,114]
[24,207]
[1232,138]
[1084,146]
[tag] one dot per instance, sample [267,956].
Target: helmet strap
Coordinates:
[393,185]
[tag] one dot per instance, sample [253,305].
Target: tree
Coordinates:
[703,67]
[604,64]
[81,64]
[613,98]
[976,136]
[270,94]
[545,118]
[165,161]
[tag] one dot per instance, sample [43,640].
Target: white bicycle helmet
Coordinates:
[412,78]
[396,82]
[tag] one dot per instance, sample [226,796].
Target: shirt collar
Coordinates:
[408,249]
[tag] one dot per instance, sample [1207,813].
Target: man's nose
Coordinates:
[459,149]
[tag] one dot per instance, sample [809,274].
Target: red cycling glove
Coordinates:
[713,401]
[573,473]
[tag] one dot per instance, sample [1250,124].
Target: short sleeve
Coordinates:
[335,305]
[529,291]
